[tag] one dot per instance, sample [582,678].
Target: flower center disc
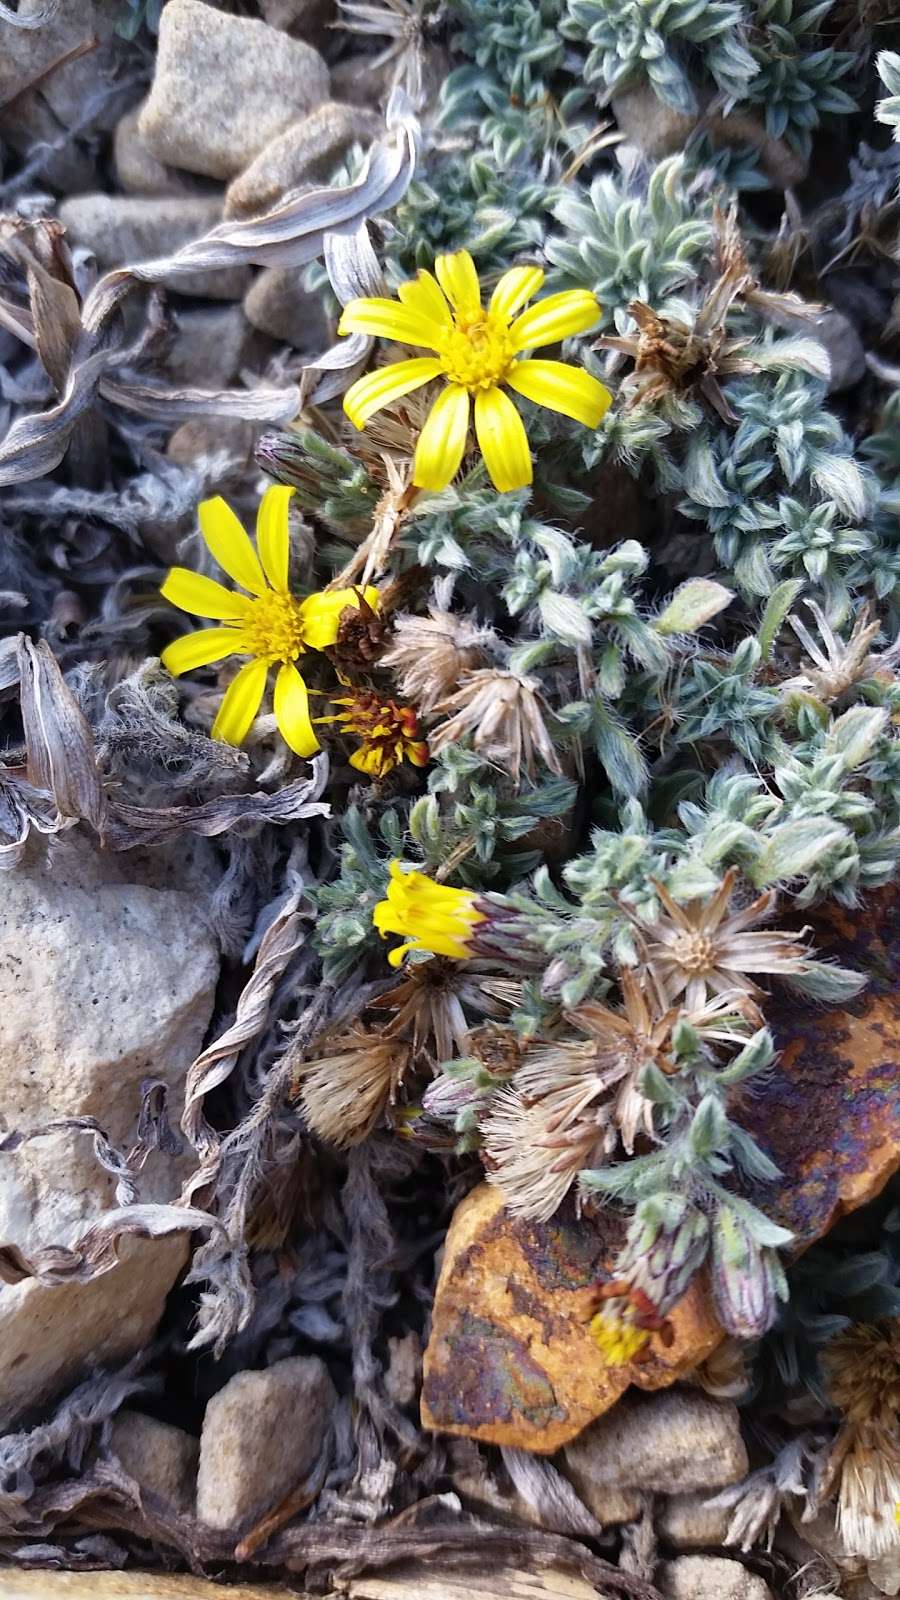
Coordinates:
[695,953]
[477,353]
[272,627]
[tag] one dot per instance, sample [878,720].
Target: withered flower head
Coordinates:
[504,713]
[835,664]
[862,1374]
[571,1101]
[428,655]
[388,733]
[432,1004]
[702,948]
[361,637]
[347,1088]
[672,357]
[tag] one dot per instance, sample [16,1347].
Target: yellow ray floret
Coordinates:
[478,352]
[429,916]
[267,622]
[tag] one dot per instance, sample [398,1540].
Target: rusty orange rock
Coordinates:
[511,1359]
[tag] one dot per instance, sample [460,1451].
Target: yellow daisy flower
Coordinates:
[267,623]
[429,915]
[477,352]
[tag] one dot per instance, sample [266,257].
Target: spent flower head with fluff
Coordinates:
[862,1377]
[478,353]
[266,622]
[347,1088]
[429,655]
[573,1102]
[504,713]
[704,948]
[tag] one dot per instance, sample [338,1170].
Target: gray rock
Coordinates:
[656,128]
[305,19]
[277,303]
[224,86]
[688,1523]
[159,1457]
[671,1442]
[104,981]
[137,169]
[305,153]
[710,1578]
[228,441]
[843,344]
[122,229]
[208,347]
[261,1435]
[658,131]
[71,97]
[355,81]
[884,1573]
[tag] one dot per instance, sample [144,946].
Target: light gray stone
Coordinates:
[122,229]
[137,168]
[710,1578]
[159,1457]
[208,347]
[277,304]
[261,1435]
[104,982]
[670,1442]
[305,153]
[688,1522]
[845,348]
[224,86]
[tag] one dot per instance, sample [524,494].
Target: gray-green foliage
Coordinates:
[684,1212]
[765,54]
[630,40]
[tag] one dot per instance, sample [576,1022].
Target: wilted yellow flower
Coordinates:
[617,1339]
[388,733]
[477,351]
[267,623]
[429,915]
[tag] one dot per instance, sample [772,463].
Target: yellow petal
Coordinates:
[240,703]
[442,440]
[272,536]
[560,387]
[557,317]
[227,541]
[198,649]
[320,614]
[459,281]
[515,287]
[190,591]
[376,389]
[387,319]
[424,294]
[503,441]
[291,702]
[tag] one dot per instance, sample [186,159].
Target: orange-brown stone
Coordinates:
[511,1359]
